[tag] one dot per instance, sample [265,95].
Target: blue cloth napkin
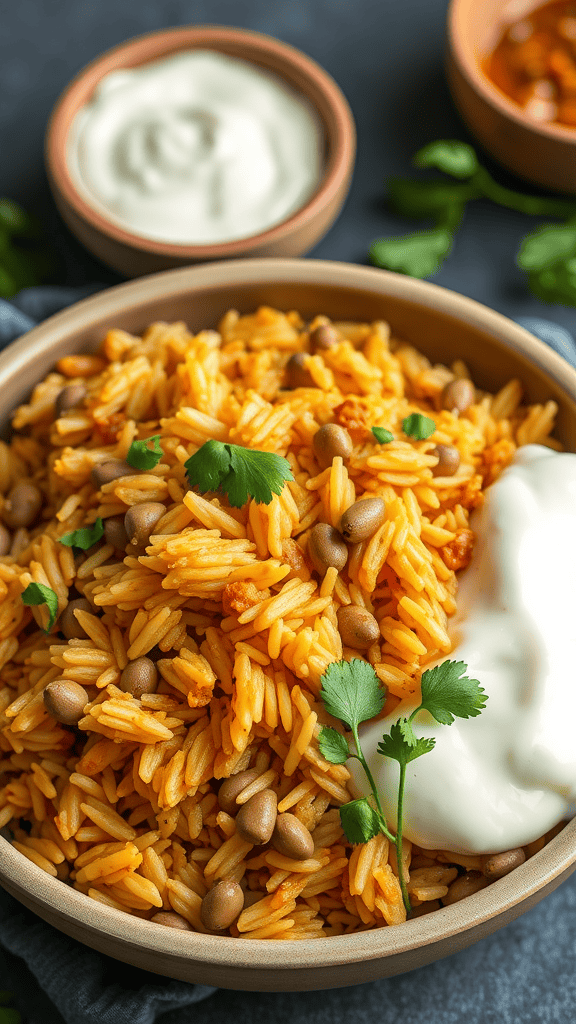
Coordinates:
[59,981]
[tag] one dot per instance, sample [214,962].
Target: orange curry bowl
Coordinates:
[543,152]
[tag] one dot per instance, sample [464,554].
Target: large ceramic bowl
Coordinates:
[133,255]
[543,153]
[445,326]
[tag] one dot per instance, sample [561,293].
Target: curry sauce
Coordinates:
[535,63]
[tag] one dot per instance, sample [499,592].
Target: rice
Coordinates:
[241,628]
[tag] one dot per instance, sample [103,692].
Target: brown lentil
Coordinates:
[499,864]
[222,905]
[115,532]
[458,395]
[22,505]
[69,398]
[232,787]
[297,376]
[362,519]
[105,472]
[256,818]
[448,460]
[5,540]
[291,838]
[69,623]
[139,677]
[171,920]
[140,520]
[326,548]
[322,338]
[466,885]
[65,701]
[358,627]
[329,441]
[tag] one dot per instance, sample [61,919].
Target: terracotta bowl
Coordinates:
[542,153]
[445,326]
[132,255]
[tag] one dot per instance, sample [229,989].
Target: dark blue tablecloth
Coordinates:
[387,57]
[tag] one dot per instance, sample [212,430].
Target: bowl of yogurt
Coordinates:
[199,143]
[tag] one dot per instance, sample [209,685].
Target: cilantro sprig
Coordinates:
[352,693]
[84,538]
[238,472]
[140,456]
[547,255]
[37,593]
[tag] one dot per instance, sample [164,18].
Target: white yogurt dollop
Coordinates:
[197,148]
[502,779]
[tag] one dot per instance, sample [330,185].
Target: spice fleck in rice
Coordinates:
[227,605]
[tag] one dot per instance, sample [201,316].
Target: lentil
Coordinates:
[329,441]
[256,819]
[362,519]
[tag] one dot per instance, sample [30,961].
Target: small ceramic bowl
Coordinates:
[542,153]
[445,326]
[132,255]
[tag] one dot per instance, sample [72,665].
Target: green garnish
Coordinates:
[25,259]
[238,472]
[37,593]
[418,426]
[548,255]
[84,538]
[352,692]
[7,1014]
[382,436]
[141,456]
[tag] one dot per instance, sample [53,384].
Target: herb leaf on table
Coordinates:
[547,255]
[25,258]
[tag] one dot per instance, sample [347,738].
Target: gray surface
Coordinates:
[387,57]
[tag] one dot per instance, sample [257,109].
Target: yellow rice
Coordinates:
[128,812]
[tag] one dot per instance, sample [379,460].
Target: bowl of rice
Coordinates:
[163,796]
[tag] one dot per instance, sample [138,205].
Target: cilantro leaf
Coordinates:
[556,285]
[449,155]
[333,746]
[241,473]
[141,456]
[84,538]
[37,593]
[351,692]
[9,1015]
[209,466]
[420,254]
[360,821]
[382,436]
[401,745]
[418,426]
[448,694]
[548,245]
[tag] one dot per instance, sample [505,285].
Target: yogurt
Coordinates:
[198,148]
[502,779]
